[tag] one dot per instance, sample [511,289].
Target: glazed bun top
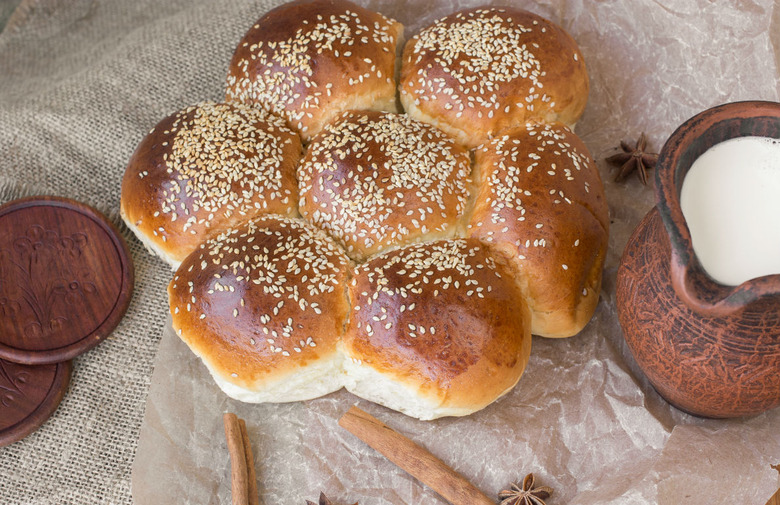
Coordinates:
[309,61]
[541,203]
[375,180]
[264,306]
[206,168]
[479,71]
[436,329]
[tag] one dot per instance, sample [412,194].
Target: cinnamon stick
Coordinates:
[413,459]
[236,447]
[254,497]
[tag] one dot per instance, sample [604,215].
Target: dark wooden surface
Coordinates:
[66,279]
[28,396]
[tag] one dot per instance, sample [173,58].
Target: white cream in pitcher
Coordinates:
[731,202]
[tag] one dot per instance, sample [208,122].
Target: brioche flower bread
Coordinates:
[392,219]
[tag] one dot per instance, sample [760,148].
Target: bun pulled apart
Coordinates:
[541,204]
[436,329]
[477,72]
[263,306]
[204,169]
[311,60]
[375,180]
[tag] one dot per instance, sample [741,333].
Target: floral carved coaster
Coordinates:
[28,396]
[66,279]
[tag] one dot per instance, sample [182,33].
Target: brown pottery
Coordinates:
[709,349]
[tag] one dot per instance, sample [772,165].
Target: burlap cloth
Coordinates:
[81,81]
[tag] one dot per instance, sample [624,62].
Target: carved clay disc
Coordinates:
[66,279]
[29,394]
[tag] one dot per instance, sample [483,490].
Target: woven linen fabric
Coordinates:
[81,82]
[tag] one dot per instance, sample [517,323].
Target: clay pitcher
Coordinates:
[709,349]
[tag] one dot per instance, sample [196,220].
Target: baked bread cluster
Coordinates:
[392,219]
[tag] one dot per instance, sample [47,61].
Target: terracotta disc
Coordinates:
[66,279]
[29,394]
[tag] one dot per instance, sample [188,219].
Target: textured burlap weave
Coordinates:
[81,81]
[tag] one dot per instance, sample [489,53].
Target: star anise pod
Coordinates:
[526,494]
[323,501]
[634,159]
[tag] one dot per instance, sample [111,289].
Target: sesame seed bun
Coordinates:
[455,266]
[541,204]
[309,61]
[375,180]
[206,168]
[263,305]
[477,72]
[435,329]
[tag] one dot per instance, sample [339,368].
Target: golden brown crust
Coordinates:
[541,203]
[262,302]
[274,306]
[444,319]
[204,169]
[309,61]
[477,72]
[375,180]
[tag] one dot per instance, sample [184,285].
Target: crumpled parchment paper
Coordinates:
[583,418]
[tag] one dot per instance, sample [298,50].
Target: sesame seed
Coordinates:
[285,247]
[413,167]
[223,158]
[416,271]
[482,54]
[283,76]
